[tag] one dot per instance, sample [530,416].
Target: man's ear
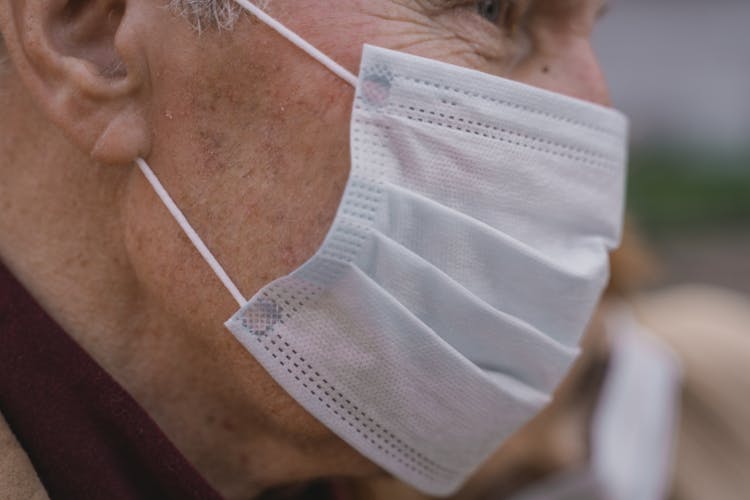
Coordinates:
[83,62]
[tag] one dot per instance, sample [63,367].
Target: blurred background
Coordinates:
[681,70]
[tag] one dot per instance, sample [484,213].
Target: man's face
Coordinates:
[250,135]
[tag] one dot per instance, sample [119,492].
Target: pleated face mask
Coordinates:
[465,260]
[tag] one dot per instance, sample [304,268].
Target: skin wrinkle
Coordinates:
[250,137]
[462,23]
[208,13]
[221,15]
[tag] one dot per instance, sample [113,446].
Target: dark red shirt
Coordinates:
[86,437]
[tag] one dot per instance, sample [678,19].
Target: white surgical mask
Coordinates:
[633,427]
[463,264]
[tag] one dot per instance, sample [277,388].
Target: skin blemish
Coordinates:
[228,425]
[545,69]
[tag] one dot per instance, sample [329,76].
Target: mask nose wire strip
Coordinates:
[290,35]
[190,232]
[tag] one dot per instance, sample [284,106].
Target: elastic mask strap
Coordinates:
[326,61]
[293,37]
[190,232]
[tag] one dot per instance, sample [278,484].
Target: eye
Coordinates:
[501,12]
[490,9]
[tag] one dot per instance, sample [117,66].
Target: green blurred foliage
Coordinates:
[677,190]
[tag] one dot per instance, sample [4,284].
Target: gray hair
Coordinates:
[207,14]
[202,14]
[211,14]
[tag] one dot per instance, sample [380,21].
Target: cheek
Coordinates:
[190,302]
[566,65]
[260,227]
[258,169]
[175,280]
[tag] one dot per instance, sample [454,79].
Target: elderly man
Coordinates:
[251,138]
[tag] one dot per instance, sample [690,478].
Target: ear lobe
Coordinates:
[82,61]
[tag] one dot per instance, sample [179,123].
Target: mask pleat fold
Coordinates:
[489,337]
[502,271]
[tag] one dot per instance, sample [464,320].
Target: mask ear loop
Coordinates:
[190,232]
[300,42]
